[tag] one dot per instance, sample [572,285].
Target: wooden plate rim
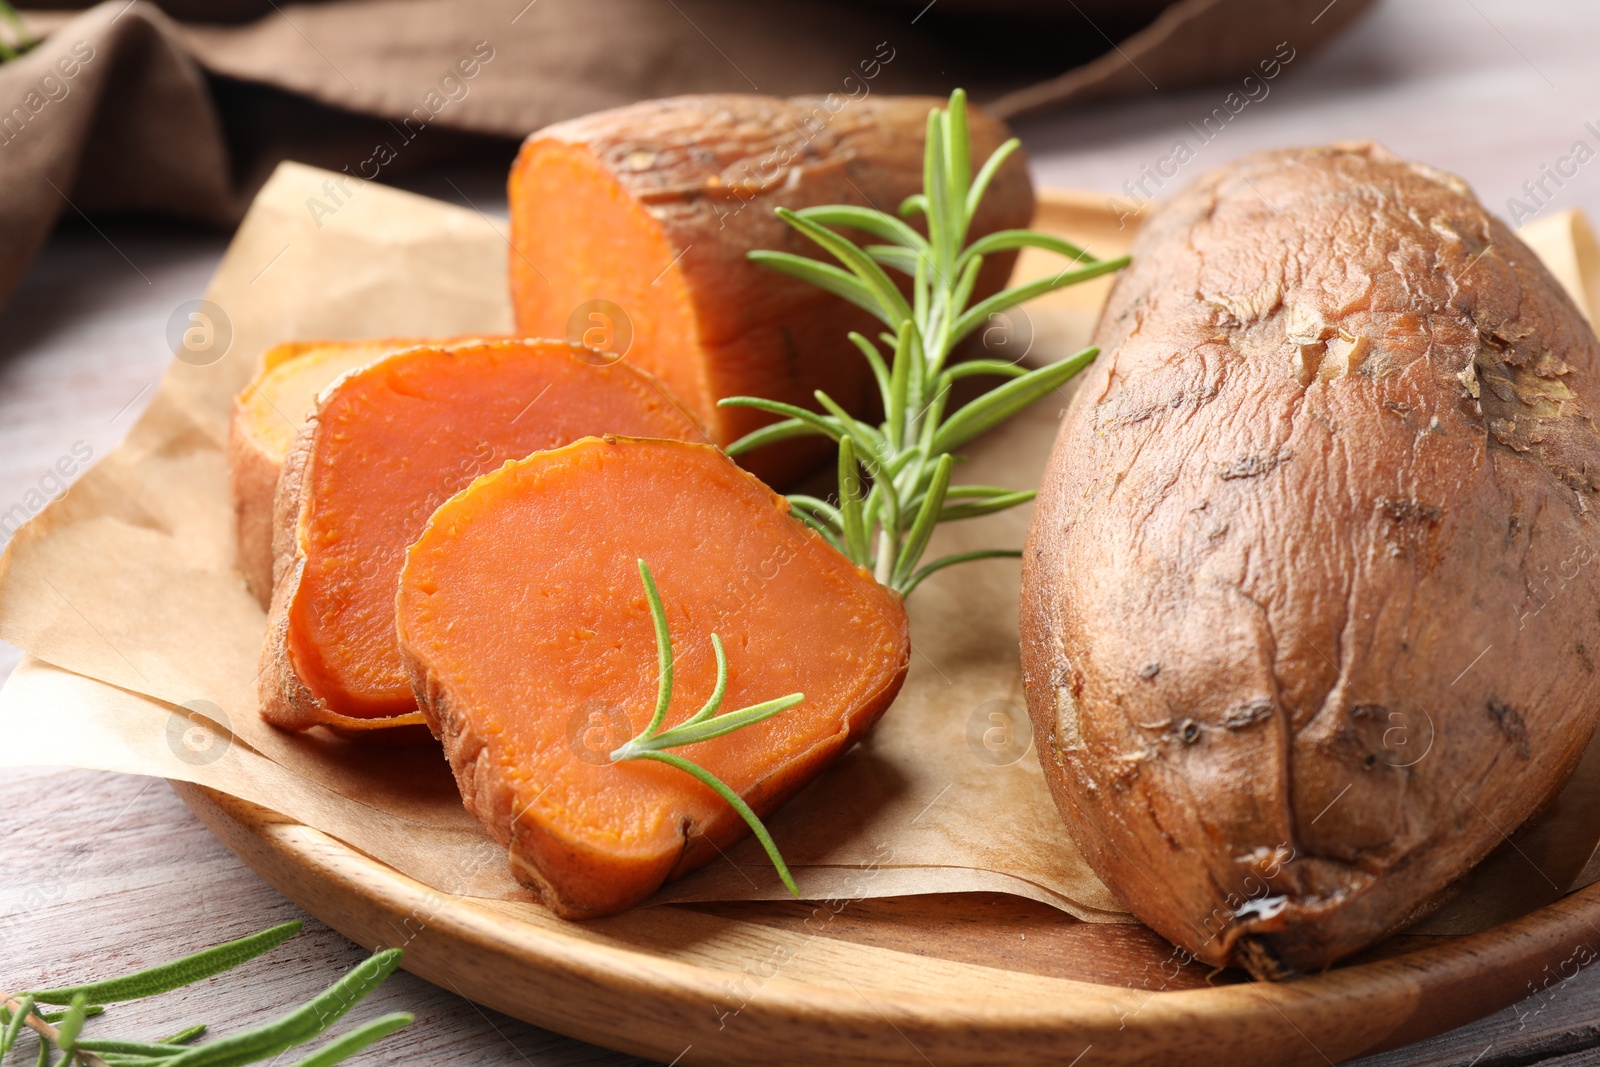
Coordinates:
[1352,1010]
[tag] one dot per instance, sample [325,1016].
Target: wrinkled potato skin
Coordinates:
[1309,606]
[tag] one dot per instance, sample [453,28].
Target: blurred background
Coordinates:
[133,134]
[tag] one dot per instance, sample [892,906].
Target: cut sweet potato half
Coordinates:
[529,641]
[653,208]
[386,445]
[266,416]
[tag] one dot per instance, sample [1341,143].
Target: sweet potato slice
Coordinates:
[529,641]
[653,207]
[385,446]
[266,416]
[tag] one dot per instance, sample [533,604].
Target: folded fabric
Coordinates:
[125,108]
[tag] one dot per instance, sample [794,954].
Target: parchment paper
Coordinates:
[143,640]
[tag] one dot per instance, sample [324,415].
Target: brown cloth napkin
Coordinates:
[126,108]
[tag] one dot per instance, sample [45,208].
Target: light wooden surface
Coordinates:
[106,872]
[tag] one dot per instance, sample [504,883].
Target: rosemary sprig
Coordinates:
[63,1030]
[895,478]
[703,725]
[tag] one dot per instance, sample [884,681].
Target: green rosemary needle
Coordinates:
[703,725]
[174,975]
[885,520]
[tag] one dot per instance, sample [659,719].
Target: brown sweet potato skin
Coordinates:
[1308,618]
[710,170]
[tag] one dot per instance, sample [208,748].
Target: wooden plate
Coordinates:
[970,979]
[947,980]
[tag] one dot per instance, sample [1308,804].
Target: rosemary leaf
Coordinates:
[777,431]
[19,1017]
[973,367]
[342,1048]
[823,276]
[720,690]
[693,734]
[89,1012]
[853,528]
[658,617]
[991,166]
[901,259]
[955,512]
[184,1036]
[101,1046]
[979,313]
[870,350]
[927,516]
[872,277]
[875,448]
[821,510]
[828,535]
[820,423]
[1006,240]
[737,803]
[174,975]
[298,1026]
[876,223]
[959,557]
[896,401]
[72,1024]
[1002,402]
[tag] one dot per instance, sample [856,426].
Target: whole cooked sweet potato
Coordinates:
[1308,615]
[633,225]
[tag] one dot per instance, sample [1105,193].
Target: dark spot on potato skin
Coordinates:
[1512,726]
[1406,523]
[1408,512]
[1150,670]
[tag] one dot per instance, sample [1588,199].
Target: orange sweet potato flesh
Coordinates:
[529,641]
[387,445]
[654,206]
[266,416]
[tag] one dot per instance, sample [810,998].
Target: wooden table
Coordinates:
[105,872]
